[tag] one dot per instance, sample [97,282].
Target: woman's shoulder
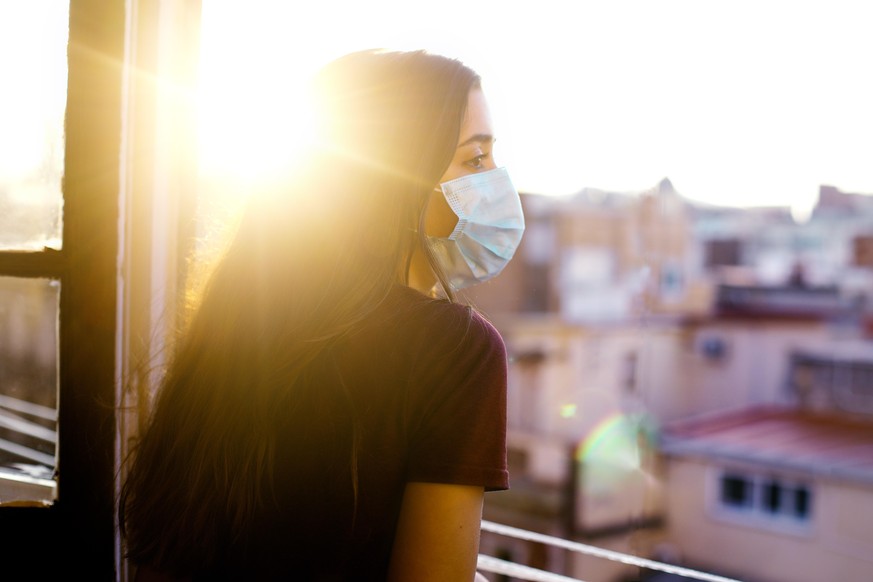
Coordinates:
[413,307]
[443,326]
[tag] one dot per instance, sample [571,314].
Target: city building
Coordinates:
[628,331]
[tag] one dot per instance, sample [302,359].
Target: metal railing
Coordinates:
[497,566]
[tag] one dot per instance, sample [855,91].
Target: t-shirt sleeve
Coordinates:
[457,406]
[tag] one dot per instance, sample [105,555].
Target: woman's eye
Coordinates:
[477,161]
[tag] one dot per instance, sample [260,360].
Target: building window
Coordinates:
[764,499]
[736,491]
[823,381]
[723,252]
[772,496]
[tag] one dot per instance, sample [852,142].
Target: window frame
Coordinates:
[753,513]
[80,521]
[128,205]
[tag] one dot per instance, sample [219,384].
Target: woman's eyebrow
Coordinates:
[480,137]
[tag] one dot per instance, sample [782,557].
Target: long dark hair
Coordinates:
[314,255]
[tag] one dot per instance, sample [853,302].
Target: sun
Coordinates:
[250,124]
[252,101]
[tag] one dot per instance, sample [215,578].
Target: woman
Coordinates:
[331,413]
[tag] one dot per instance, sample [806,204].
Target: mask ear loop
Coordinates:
[442,286]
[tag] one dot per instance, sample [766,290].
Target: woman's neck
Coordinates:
[420,276]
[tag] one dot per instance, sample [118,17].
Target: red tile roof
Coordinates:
[779,437]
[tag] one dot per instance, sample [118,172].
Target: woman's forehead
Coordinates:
[477,124]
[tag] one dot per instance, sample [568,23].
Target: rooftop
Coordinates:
[782,301]
[786,438]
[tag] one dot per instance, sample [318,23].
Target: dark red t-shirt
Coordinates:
[425,380]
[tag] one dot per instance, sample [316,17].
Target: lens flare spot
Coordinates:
[615,450]
[568,411]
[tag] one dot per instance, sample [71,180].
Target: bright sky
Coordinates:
[737,102]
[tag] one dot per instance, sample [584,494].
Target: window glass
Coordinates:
[28,388]
[735,491]
[802,502]
[33,66]
[772,496]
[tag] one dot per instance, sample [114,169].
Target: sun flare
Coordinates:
[253,106]
[252,126]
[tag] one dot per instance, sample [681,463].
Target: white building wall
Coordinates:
[838,544]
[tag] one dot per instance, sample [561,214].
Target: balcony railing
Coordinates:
[498,566]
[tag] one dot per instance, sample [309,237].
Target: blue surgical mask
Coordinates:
[489,229]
